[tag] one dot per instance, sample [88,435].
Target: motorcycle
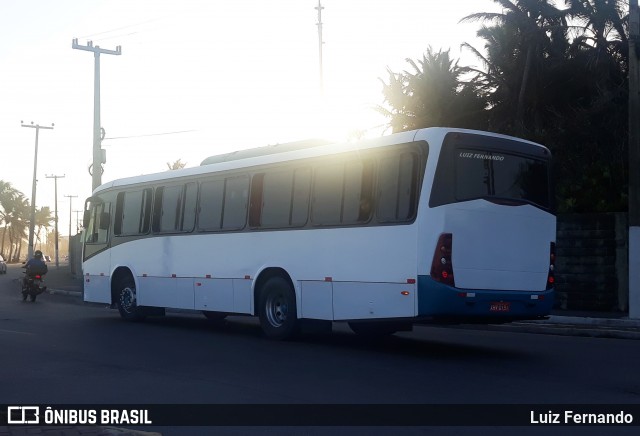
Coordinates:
[32,286]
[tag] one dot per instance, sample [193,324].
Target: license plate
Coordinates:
[499,307]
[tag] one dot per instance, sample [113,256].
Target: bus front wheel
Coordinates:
[277,309]
[126,301]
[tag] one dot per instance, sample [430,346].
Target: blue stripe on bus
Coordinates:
[437,299]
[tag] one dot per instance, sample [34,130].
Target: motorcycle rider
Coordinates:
[35,265]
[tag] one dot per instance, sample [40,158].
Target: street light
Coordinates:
[32,222]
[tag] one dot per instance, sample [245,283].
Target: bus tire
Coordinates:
[277,309]
[370,329]
[126,301]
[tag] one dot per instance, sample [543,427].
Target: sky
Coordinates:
[198,78]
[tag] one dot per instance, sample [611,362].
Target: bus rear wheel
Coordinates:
[277,309]
[126,301]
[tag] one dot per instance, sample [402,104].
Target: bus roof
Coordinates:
[292,151]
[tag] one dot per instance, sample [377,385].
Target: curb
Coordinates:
[65,292]
[617,328]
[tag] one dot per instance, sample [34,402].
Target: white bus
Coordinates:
[433,225]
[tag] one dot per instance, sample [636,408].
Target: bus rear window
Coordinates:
[500,169]
[500,175]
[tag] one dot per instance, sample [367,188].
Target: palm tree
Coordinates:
[527,33]
[44,219]
[19,223]
[176,165]
[5,196]
[431,94]
[8,203]
[563,74]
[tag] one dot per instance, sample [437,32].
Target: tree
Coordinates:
[176,165]
[529,35]
[6,193]
[563,74]
[11,201]
[19,223]
[44,219]
[432,94]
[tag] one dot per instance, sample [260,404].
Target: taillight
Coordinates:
[441,265]
[38,276]
[551,278]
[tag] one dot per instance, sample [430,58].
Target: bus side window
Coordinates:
[276,199]
[210,205]
[91,226]
[407,186]
[132,212]
[358,190]
[255,202]
[300,197]
[169,209]
[101,230]
[397,185]
[189,199]
[117,222]
[328,185]
[236,200]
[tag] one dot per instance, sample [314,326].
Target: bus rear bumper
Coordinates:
[440,301]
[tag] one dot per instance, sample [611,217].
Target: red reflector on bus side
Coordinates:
[247,277]
[328,279]
[208,276]
[173,276]
[411,281]
[405,293]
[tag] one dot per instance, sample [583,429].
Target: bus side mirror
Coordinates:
[86,218]
[104,221]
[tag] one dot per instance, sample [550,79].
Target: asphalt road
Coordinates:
[61,350]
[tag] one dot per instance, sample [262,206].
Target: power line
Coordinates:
[115,36]
[117,29]
[152,134]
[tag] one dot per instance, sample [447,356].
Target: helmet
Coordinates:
[37,254]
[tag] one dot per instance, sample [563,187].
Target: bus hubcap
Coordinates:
[128,299]
[277,310]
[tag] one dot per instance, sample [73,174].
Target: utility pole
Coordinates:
[32,222]
[71,197]
[77,220]
[319,8]
[55,180]
[634,162]
[99,156]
